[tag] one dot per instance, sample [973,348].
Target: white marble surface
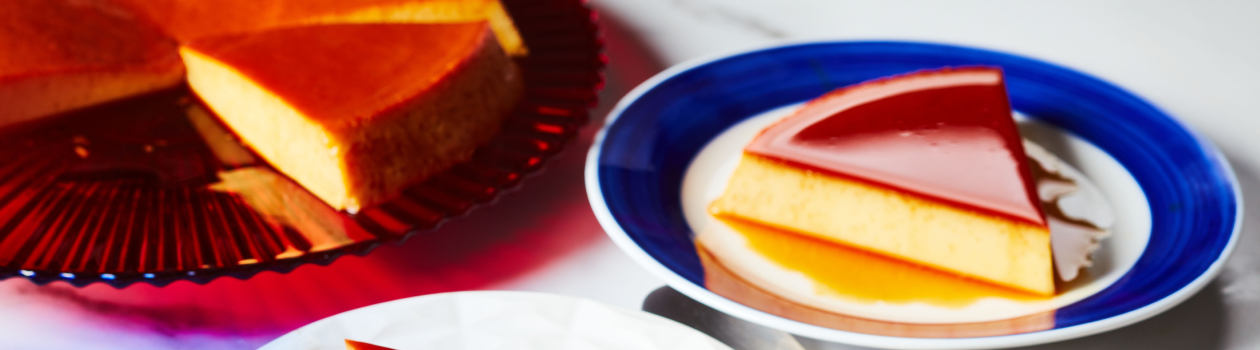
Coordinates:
[1199,61]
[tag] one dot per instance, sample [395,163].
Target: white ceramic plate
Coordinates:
[496,320]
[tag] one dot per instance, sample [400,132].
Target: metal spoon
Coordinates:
[734,332]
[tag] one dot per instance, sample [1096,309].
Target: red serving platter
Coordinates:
[131,191]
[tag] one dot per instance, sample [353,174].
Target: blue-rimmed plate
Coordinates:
[1177,202]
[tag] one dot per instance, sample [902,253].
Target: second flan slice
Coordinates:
[355,112]
[926,167]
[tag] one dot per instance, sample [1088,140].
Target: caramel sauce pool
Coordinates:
[866,277]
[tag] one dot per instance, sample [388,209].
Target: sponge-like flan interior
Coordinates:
[189,20]
[354,112]
[889,222]
[61,55]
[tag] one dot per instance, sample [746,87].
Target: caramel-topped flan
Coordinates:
[61,55]
[354,112]
[358,345]
[189,20]
[926,167]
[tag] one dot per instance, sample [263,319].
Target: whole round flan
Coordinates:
[353,100]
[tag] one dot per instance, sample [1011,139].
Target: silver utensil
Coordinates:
[734,332]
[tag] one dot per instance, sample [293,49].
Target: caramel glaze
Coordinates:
[1051,206]
[338,75]
[724,282]
[945,134]
[52,36]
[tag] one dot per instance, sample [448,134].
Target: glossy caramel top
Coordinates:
[340,73]
[50,36]
[946,134]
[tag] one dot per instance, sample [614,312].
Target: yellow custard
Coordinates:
[866,277]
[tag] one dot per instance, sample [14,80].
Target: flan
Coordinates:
[61,55]
[927,168]
[358,345]
[355,112]
[189,20]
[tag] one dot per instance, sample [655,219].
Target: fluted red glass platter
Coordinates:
[153,189]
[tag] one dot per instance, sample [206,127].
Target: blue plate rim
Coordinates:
[623,240]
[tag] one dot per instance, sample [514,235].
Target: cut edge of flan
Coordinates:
[343,162]
[216,81]
[889,222]
[28,98]
[94,54]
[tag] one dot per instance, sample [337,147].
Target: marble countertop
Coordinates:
[1196,60]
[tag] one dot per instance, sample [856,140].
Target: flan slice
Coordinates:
[60,55]
[926,167]
[358,345]
[355,112]
[189,20]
